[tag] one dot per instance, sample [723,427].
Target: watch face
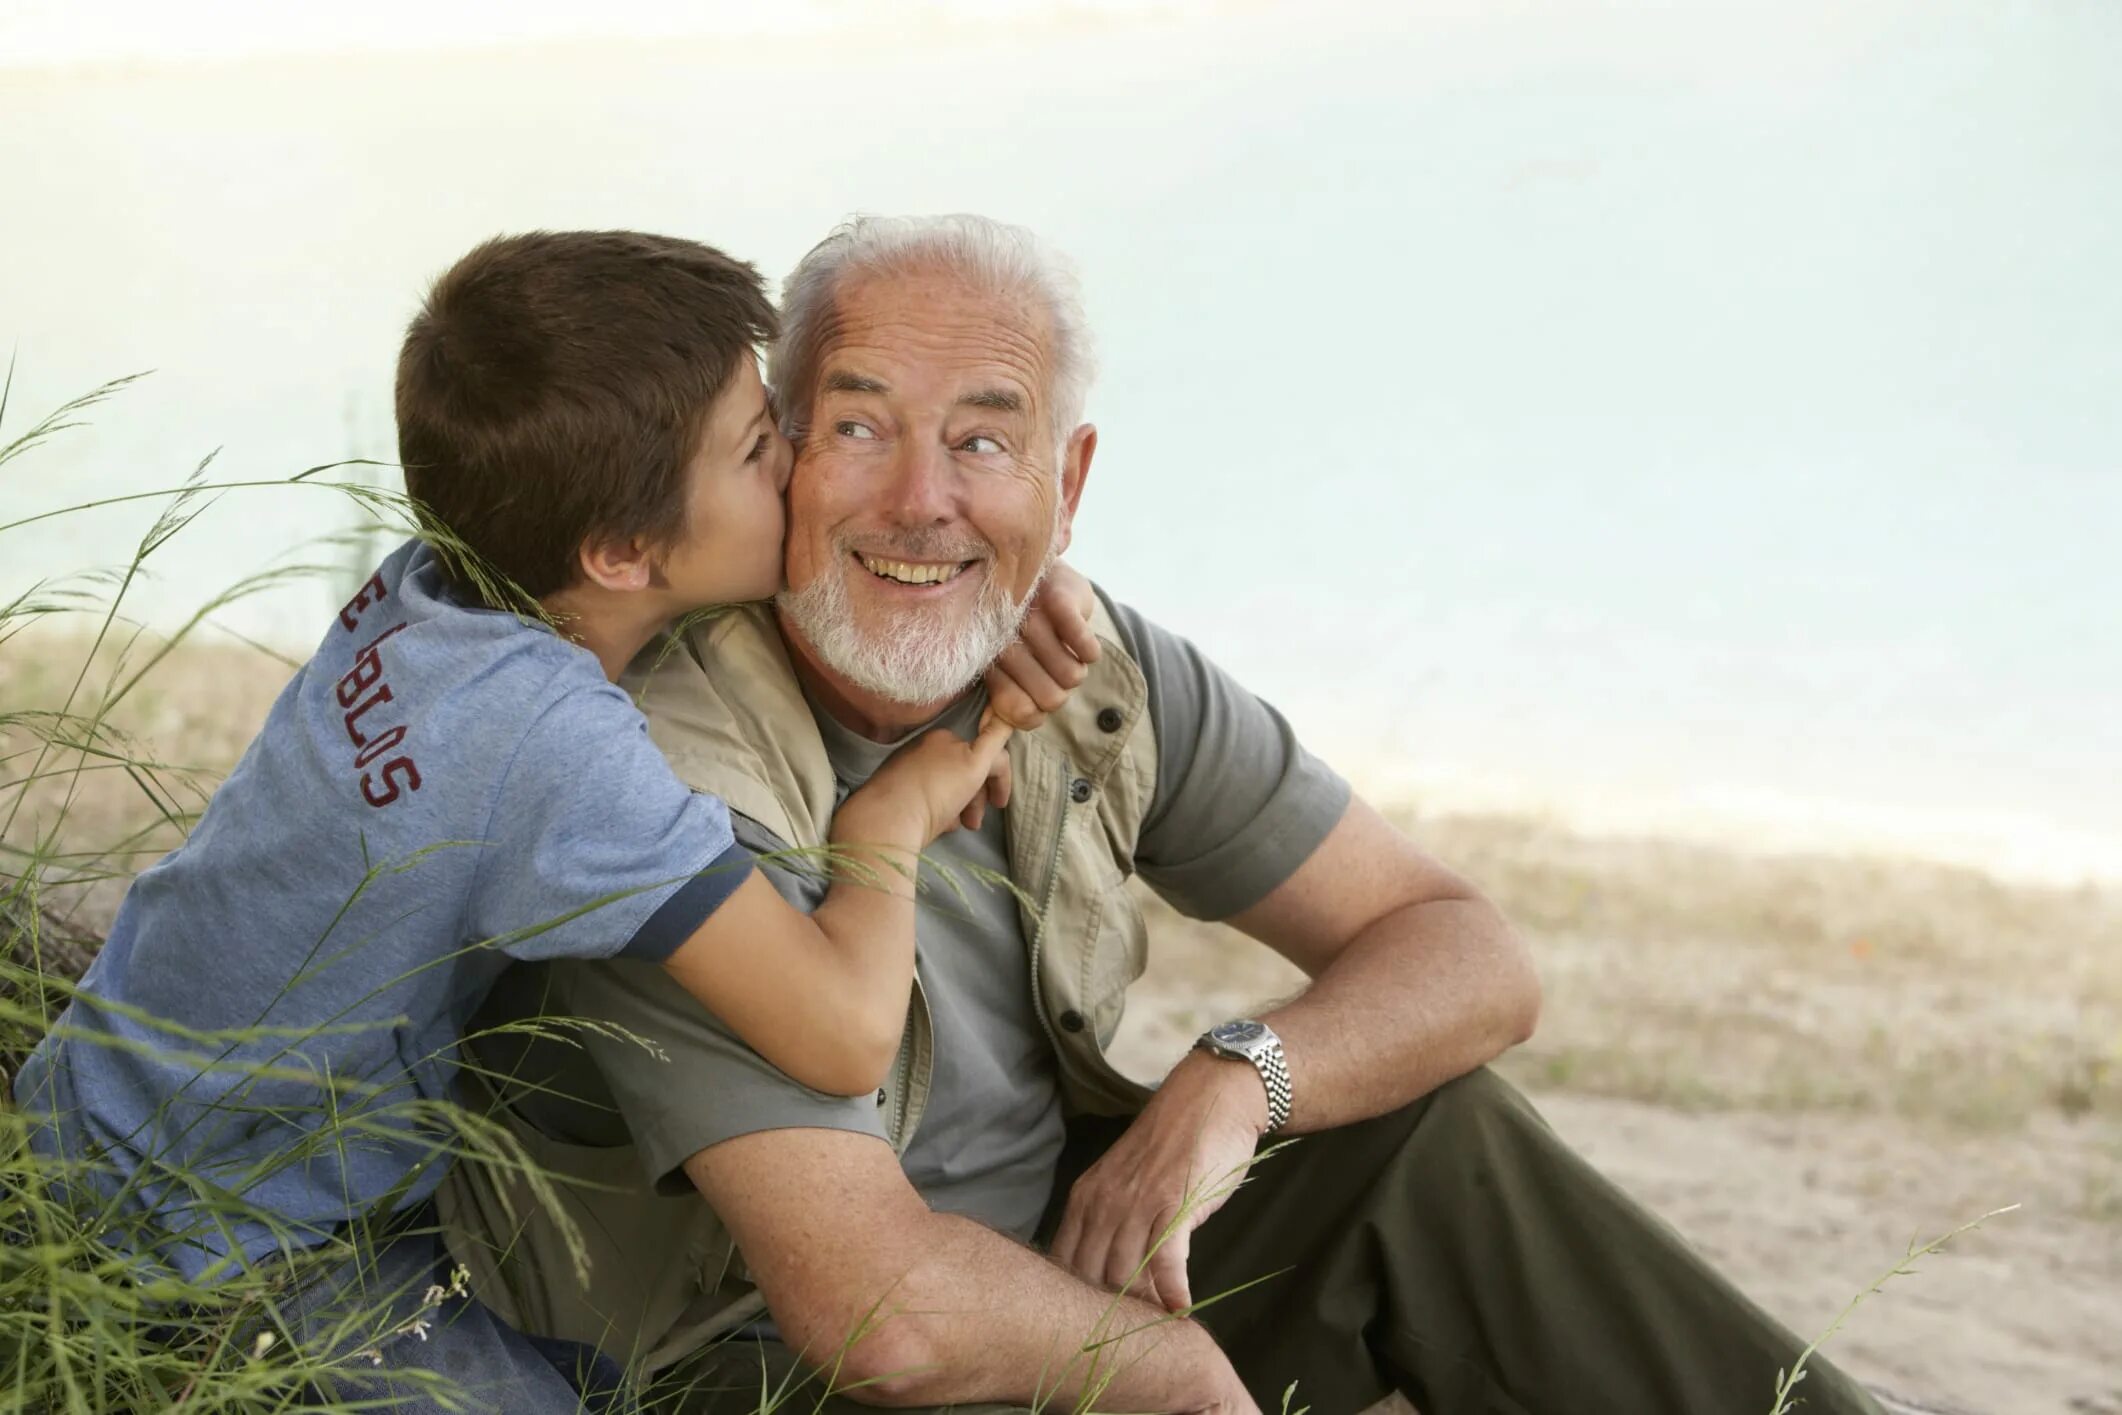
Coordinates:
[1238,1034]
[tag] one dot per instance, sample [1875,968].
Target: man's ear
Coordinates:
[1075,467]
[615,564]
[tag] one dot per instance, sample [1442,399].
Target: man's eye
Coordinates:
[853,429]
[980,444]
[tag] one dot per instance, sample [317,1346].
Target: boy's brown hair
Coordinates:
[554,386]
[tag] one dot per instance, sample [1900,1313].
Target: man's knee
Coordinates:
[1477,1106]
[1481,1097]
[1478,1113]
[1469,1126]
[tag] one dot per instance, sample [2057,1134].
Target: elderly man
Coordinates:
[1424,1233]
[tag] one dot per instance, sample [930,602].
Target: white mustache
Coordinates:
[933,547]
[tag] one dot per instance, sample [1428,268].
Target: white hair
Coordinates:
[989,255]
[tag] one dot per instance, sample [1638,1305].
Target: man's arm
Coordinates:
[832,1230]
[1416,980]
[904,1306]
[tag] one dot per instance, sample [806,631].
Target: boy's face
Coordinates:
[730,551]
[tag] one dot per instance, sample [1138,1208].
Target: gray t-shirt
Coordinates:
[1239,804]
[992,1126]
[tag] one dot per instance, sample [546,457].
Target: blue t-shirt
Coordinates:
[441,789]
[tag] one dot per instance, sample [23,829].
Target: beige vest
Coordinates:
[724,706]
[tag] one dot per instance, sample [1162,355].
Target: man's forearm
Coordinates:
[976,1317]
[1425,994]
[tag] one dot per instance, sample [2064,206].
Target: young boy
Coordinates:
[446,785]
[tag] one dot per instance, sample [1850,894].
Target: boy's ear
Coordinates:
[617,564]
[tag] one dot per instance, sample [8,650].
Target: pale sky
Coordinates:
[41,33]
[1750,450]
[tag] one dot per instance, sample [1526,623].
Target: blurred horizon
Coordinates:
[1696,422]
[53,34]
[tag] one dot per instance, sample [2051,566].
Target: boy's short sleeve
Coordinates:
[594,849]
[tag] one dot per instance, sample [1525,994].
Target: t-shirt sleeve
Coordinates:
[1239,802]
[727,1089]
[594,848]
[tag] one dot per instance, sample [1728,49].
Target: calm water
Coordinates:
[1713,421]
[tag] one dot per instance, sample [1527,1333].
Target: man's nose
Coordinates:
[924,484]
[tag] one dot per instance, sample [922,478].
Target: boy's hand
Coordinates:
[1052,654]
[930,788]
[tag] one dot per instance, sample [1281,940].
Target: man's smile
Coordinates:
[912,572]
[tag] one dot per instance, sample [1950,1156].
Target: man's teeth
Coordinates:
[908,573]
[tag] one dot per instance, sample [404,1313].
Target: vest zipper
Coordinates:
[1046,905]
[903,1075]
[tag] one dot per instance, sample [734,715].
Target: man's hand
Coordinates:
[1052,653]
[1130,1219]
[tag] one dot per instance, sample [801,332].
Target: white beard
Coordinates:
[908,660]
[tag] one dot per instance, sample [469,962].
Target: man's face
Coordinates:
[927,498]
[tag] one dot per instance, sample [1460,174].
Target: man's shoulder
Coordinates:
[1119,619]
[1157,651]
[724,706]
[1238,801]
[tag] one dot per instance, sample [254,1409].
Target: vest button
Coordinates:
[1072,1021]
[1079,790]
[1109,719]
[880,1095]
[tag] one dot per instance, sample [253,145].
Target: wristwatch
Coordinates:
[1256,1042]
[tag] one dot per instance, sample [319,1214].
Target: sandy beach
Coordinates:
[1808,1065]
[1803,1062]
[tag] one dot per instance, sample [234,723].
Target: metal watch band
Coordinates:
[1257,1043]
[1275,1072]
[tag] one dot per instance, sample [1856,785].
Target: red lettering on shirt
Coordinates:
[368,667]
[361,601]
[379,746]
[380,696]
[398,775]
[387,791]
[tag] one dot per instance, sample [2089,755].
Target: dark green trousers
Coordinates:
[1456,1251]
